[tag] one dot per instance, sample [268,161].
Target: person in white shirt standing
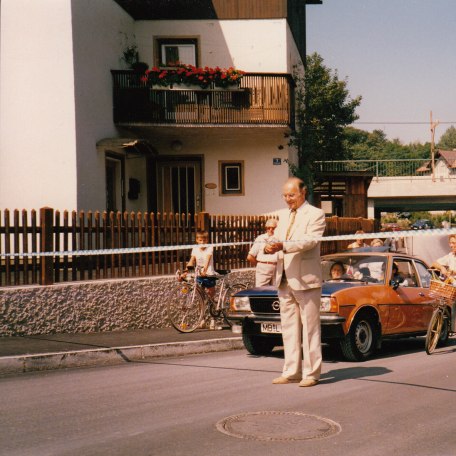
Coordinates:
[299,279]
[447,264]
[265,263]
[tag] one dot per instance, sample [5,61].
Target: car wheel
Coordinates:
[258,345]
[361,341]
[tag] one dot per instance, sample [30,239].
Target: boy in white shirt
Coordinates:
[202,257]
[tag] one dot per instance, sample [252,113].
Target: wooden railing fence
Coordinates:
[261,98]
[27,233]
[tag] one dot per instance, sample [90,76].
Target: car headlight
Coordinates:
[240,304]
[325,305]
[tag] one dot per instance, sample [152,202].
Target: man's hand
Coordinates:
[252,260]
[273,248]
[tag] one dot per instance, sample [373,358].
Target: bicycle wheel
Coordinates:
[434,330]
[230,291]
[186,308]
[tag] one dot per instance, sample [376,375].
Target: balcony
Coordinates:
[261,100]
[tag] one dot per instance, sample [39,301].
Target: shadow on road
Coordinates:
[351,373]
[390,348]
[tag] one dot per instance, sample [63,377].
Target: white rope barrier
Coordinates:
[345,237]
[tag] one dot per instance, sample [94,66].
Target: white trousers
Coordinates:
[300,320]
[264,274]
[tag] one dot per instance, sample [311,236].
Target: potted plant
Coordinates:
[130,55]
[131,58]
[140,67]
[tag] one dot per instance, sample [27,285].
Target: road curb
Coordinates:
[113,355]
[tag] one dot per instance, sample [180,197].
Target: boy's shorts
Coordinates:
[206,282]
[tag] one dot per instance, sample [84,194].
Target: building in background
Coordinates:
[79,130]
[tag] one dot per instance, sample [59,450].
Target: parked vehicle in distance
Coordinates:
[422,224]
[366,305]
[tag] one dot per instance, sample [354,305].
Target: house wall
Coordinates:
[223,43]
[270,49]
[101,30]
[37,131]
[294,61]
[256,147]
[56,100]
[443,170]
[262,180]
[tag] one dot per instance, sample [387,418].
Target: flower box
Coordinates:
[188,75]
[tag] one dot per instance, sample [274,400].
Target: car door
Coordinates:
[409,302]
[425,282]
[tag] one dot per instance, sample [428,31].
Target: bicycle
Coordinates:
[187,312]
[439,329]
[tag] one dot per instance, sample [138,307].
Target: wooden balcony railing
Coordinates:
[261,99]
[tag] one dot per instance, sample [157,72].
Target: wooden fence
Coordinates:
[24,233]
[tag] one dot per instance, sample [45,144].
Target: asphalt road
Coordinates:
[403,402]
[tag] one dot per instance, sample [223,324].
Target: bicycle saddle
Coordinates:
[223,271]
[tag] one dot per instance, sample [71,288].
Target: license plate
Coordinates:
[271,328]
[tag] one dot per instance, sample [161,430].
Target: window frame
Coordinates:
[223,184]
[161,41]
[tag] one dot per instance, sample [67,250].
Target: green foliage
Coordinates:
[437,219]
[448,139]
[324,108]
[363,145]
[324,111]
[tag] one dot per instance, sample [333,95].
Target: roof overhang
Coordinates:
[147,10]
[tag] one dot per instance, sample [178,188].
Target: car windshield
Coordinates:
[365,268]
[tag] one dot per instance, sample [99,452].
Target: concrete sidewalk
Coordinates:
[58,351]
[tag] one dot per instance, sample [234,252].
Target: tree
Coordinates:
[363,145]
[448,139]
[323,110]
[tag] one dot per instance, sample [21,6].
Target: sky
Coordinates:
[399,55]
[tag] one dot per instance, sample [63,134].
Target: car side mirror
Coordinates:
[394,284]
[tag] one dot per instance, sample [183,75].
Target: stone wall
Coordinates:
[95,306]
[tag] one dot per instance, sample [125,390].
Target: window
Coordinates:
[172,50]
[231,177]
[406,275]
[424,274]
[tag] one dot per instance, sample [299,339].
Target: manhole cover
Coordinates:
[285,426]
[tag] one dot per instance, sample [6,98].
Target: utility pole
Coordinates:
[433,126]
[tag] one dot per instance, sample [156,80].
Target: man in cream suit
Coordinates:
[299,280]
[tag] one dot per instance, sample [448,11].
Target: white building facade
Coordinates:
[62,147]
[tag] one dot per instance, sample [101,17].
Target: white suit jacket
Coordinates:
[300,257]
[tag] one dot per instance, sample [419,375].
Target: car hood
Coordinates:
[328,288]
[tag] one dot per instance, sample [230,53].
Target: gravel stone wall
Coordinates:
[95,306]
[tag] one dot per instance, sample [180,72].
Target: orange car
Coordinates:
[374,295]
